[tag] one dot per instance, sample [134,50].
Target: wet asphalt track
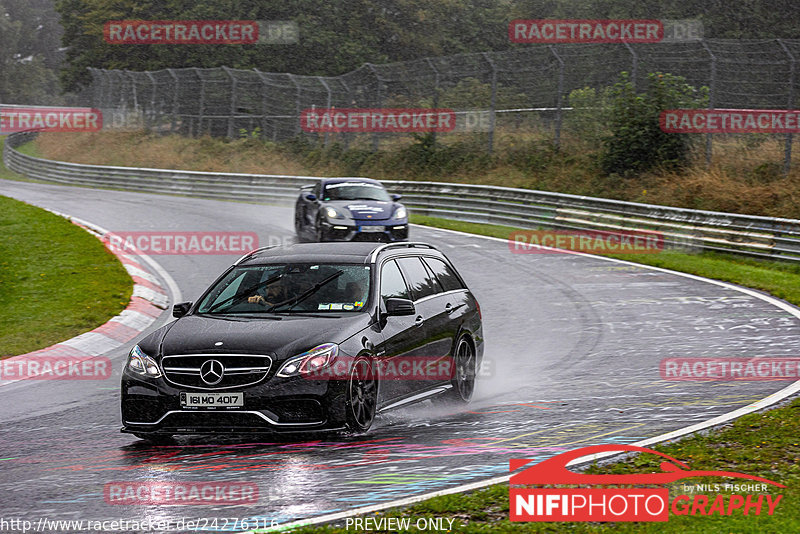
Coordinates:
[573,350]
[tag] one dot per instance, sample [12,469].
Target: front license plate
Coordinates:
[212,400]
[373,228]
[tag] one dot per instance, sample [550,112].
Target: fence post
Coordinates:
[492,101]
[232,116]
[345,136]
[559,101]
[435,103]
[134,93]
[202,102]
[152,114]
[97,88]
[296,103]
[175,108]
[264,106]
[634,64]
[711,92]
[379,99]
[327,102]
[787,151]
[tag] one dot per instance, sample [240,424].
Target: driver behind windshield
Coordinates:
[271,295]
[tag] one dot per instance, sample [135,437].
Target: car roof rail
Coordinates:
[253,253]
[399,244]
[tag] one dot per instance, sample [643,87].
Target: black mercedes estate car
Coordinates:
[308,337]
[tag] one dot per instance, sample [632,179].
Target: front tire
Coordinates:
[319,235]
[298,227]
[463,380]
[362,396]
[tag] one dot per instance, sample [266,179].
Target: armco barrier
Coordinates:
[693,229]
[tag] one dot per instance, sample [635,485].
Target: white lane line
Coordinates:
[724,418]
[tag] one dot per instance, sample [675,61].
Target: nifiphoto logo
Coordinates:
[610,503]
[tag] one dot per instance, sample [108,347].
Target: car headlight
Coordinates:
[310,361]
[333,213]
[400,213]
[142,364]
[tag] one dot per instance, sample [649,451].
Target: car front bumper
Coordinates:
[347,231]
[152,406]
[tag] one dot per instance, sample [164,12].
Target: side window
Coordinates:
[444,273]
[392,283]
[420,281]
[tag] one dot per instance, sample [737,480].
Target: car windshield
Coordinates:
[355,191]
[290,288]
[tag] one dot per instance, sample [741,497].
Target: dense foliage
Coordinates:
[338,36]
[636,142]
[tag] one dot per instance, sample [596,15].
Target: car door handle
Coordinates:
[449,308]
[418,320]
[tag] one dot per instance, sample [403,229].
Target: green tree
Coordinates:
[636,142]
[335,37]
[29,52]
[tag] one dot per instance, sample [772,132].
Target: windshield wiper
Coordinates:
[235,299]
[294,301]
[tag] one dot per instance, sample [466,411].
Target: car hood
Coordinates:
[369,210]
[284,337]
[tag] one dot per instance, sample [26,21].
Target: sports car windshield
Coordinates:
[355,191]
[290,288]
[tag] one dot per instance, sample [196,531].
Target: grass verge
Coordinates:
[746,176]
[766,444]
[56,280]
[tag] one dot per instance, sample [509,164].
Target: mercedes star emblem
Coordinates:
[211,372]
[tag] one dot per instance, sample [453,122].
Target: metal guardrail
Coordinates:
[748,235]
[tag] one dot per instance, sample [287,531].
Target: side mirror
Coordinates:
[395,306]
[396,197]
[311,197]
[179,310]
